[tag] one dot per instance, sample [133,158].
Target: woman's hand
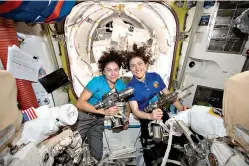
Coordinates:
[126,125]
[156,114]
[111,111]
[184,108]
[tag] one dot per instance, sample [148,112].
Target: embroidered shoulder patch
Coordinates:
[155,84]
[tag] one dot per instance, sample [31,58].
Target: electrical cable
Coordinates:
[137,138]
[107,142]
[53,98]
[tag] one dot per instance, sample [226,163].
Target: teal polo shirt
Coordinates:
[98,86]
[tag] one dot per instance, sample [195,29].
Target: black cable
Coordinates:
[107,142]
[150,152]
[154,155]
[53,98]
[137,138]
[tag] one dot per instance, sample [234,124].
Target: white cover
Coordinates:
[32,155]
[48,122]
[202,122]
[226,156]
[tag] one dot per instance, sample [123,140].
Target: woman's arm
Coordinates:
[155,115]
[127,114]
[128,110]
[82,104]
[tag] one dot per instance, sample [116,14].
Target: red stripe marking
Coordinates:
[28,113]
[34,112]
[31,113]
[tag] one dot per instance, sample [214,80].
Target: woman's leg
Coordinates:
[95,139]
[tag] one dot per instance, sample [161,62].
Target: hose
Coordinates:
[174,162]
[8,37]
[166,156]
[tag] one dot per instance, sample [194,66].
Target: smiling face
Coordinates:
[111,72]
[138,68]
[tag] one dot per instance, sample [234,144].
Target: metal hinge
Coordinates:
[182,36]
[60,37]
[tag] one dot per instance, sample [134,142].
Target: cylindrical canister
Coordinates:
[118,122]
[157,132]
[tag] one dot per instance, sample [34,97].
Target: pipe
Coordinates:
[51,46]
[174,162]
[8,37]
[166,156]
[195,23]
[26,96]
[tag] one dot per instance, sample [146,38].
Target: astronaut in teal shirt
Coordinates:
[90,121]
[99,86]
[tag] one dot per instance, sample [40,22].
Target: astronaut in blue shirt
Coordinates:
[147,88]
[90,121]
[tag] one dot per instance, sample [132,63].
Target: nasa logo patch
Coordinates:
[155,84]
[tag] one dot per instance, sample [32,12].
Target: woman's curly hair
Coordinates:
[110,56]
[142,52]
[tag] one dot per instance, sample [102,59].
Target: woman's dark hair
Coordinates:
[142,52]
[110,56]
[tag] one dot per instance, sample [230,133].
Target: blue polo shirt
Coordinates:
[146,92]
[98,86]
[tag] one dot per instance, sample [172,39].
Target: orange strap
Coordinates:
[56,12]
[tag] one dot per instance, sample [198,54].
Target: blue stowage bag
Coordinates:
[36,11]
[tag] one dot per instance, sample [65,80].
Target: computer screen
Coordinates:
[54,80]
[207,96]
